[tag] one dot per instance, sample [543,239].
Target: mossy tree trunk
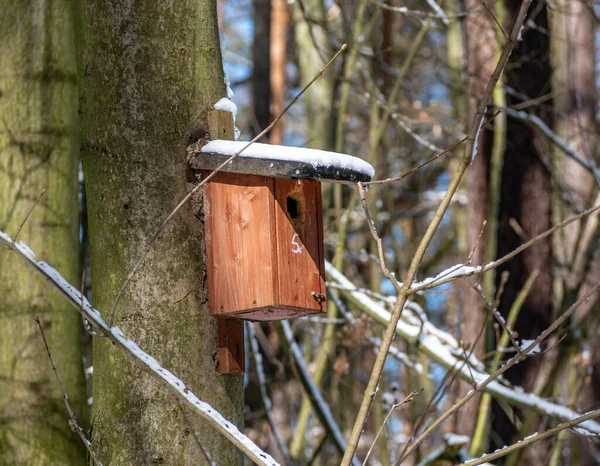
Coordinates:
[150,71]
[39,150]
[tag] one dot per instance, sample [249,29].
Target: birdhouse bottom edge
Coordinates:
[269,313]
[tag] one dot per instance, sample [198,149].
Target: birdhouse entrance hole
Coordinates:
[292,208]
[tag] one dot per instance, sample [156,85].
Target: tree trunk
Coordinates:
[312,47]
[573,79]
[39,150]
[261,70]
[525,195]
[481,51]
[278,55]
[150,72]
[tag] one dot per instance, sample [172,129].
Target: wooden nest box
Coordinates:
[264,225]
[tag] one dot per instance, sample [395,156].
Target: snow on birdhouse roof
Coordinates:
[282,162]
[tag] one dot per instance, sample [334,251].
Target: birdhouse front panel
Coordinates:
[240,225]
[264,247]
[298,214]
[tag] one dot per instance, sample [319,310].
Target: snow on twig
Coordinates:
[143,359]
[536,437]
[445,350]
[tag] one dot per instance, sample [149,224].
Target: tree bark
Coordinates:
[573,80]
[525,195]
[39,150]
[312,47]
[150,72]
[278,55]
[261,70]
[481,51]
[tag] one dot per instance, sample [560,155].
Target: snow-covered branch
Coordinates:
[141,358]
[445,350]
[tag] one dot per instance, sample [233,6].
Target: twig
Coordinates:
[432,159]
[205,180]
[73,419]
[430,283]
[470,258]
[493,308]
[494,18]
[408,399]
[209,461]
[28,214]
[532,439]
[263,391]
[144,360]
[381,253]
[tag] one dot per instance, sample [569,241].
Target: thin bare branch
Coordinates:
[532,439]
[73,419]
[408,399]
[29,213]
[187,420]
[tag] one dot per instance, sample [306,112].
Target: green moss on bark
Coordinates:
[39,150]
[150,71]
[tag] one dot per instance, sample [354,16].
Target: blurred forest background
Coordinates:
[405,91]
[403,96]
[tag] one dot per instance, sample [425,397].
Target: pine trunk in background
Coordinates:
[39,150]
[573,80]
[525,196]
[149,74]
[261,69]
[278,49]
[481,52]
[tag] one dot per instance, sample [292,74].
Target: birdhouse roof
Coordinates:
[282,162]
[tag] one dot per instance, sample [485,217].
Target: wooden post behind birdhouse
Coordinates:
[230,332]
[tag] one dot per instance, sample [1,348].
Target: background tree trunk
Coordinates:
[525,195]
[278,55]
[481,52]
[150,72]
[39,150]
[312,49]
[261,69]
[573,82]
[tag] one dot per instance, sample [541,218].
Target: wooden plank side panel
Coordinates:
[299,252]
[239,243]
